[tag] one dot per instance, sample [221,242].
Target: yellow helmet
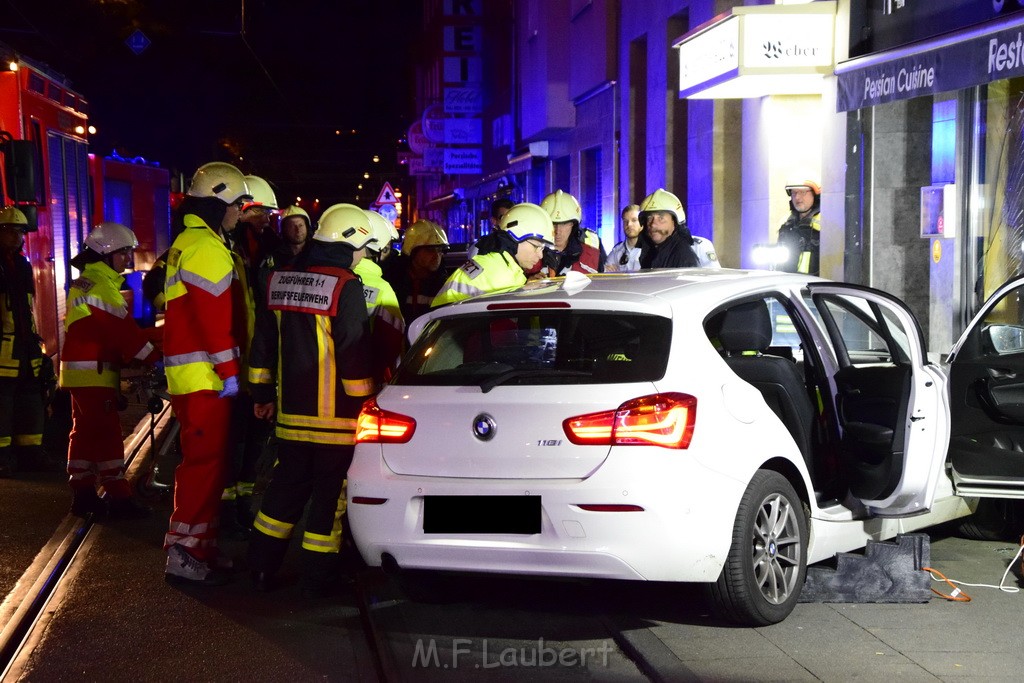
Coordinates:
[262,194]
[562,207]
[14,216]
[294,210]
[106,238]
[345,223]
[423,233]
[662,200]
[220,180]
[528,221]
[382,229]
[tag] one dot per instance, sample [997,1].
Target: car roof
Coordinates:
[651,291]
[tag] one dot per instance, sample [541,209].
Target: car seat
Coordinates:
[744,333]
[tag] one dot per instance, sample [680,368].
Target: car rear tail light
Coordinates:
[366,500]
[665,420]
[376,425]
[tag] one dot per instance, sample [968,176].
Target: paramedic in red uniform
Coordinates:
[100,337]
[204,329]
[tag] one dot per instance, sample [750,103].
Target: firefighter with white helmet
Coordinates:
[205,330]
[801,233]
[387,327]
[578,248]
[666,240]
[526,230]
[311,368]
[25,371]
[418,272]
[100,336]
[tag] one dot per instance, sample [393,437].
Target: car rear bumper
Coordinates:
[678,527]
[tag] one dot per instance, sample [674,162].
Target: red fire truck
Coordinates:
[49,174]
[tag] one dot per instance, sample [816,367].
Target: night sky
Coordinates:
[204,91]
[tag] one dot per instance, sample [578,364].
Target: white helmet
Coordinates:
[220,180]
[294,210]
[345,223]
[562,207]
[106,238]
[528,221]
[262,194]
[382,229]
[662,200]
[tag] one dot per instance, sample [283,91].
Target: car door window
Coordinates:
[864,333]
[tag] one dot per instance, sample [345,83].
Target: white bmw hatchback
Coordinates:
[726,427]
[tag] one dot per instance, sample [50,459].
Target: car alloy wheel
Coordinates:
[764,573]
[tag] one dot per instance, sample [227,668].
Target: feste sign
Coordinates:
[983,55]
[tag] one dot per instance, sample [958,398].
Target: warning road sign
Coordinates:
[387,195]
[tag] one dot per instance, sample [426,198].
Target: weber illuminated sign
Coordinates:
[757,51]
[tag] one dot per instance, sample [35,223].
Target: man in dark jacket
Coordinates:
[801,233]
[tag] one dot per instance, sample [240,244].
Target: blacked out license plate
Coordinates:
[481,514]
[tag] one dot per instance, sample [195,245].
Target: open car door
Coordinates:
[890,402]
[986,394]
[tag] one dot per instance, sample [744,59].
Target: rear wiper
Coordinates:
[501,378]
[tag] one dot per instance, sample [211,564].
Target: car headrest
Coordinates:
[747,327]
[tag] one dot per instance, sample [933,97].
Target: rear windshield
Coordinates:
[538,347]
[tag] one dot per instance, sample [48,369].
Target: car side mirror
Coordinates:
[1003,339]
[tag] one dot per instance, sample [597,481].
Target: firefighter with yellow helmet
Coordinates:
[578,248]
[204,332]
[100,337]
[24,369]
[801,232]
[525,231]
[311,368]
[387,326]
[418,272]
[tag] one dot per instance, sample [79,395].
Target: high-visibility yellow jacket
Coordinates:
[203,327]
[21,354]
[100,335]
[479,275]
[387,327]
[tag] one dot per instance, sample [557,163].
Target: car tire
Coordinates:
[762,578]
[994,519]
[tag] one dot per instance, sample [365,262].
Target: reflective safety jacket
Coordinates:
[312,352]
[584,255]
[479,275]
[21,354]
[100,335]
[202,333]
[802,236]
[387,327]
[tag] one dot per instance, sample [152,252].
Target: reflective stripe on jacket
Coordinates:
[201,335]
[481,274]
[100,335]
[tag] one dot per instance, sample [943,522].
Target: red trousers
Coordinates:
[95,449]
[205,421]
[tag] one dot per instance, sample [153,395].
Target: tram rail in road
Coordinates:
[21,611]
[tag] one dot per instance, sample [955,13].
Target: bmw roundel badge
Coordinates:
[484,427]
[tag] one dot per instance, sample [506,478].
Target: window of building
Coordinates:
[590,188]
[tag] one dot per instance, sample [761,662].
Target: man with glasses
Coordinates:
[524,232]
[625,256]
